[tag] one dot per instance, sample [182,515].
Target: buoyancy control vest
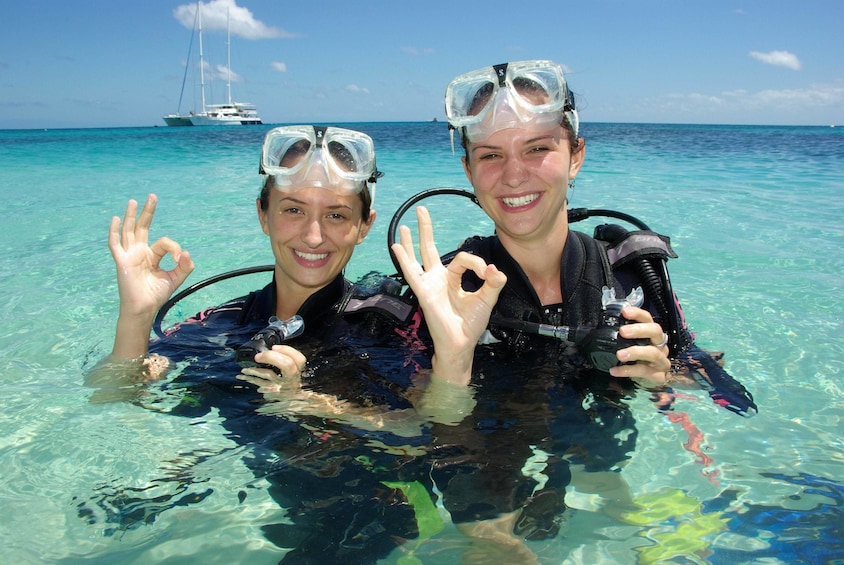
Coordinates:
[588,267]
[615,257]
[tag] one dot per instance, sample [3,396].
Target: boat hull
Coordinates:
[224,121]
[232,114]
[175,120]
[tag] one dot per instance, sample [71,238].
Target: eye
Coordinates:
[488,156]
[539,149]
[292,210]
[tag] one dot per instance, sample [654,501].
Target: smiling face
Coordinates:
[313,232]
[520,177]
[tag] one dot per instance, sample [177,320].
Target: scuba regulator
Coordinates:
[599,344]
[276,333]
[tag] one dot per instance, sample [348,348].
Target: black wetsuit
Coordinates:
[528,407]
[327,475]
[535,416]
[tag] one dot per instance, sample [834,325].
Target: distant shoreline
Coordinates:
[438,123]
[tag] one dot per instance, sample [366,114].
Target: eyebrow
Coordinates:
[541,137]
[526,142]
[305,203]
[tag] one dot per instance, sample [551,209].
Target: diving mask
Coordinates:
[338,159]
[522,94]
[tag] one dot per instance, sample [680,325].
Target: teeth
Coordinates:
[520,201]
[311,256]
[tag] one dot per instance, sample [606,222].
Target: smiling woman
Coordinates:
[315,207]
[519,128]
[314,222]
[498,299]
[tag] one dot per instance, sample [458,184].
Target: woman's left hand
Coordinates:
[647,362]
[290,363]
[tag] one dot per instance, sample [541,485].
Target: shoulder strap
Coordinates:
[599,246]
[389,305]
[378,295]
[623,246]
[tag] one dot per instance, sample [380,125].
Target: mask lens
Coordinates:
[351,156]
[342,157]
[286,150]
[294,154]
[469,96]
[480,101]
[537,85]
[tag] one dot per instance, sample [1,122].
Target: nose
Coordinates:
[514,173]
[312,234]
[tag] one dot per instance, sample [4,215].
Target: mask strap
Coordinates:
[319,133]
[501,73]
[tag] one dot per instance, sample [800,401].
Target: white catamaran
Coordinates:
[229,113]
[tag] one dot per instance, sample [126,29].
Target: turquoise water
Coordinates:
[755,214]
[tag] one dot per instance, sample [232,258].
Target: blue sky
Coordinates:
[104,63]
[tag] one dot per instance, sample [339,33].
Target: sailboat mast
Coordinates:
[201,60]
[228,58]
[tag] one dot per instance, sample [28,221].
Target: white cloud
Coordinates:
[414,51]
[219,72]
[356,88]
[216,13]
[278,66]
[821,96]
[223,72]
[757,106]
[778,59]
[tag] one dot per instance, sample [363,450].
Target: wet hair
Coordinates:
[342,156]
[480,99]
[294,153]
[364,195]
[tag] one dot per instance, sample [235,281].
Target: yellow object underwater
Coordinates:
[689,534]
[428,519]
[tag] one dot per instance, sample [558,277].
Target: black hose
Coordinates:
[579,214]
[394,222]
[159,317]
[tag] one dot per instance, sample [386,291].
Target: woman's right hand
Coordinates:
[143,285]
[455,318]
